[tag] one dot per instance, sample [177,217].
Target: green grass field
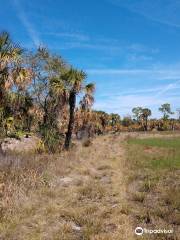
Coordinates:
[154,164]
[158,142]
[156,153]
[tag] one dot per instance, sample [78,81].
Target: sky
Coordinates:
[129,48]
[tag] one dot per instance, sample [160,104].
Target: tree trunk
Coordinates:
[2,95]
[72,104]
[1,150]
[146,124]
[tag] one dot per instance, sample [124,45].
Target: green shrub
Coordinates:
[51,138]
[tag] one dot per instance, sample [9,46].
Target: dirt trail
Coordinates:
[116,158]
[84,198]
[107,156]
[102,165]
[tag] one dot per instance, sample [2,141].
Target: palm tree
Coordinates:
[74,80]
[88,99]
[10,55]
[146,112]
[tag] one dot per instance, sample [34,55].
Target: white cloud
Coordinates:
[33,34]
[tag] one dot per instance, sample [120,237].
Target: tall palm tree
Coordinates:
[74,83]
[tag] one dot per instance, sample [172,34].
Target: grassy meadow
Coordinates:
[154,182]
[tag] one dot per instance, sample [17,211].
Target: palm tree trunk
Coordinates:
[146,123]
[72,105]
[1,97]
[1,90]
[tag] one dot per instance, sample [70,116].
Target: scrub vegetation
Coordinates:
[70,172]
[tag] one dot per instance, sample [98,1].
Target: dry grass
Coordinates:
[82,194]
[75,195]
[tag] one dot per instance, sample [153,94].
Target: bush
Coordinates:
[51,138]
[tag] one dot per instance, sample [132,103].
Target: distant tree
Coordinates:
[137,111]
[115,119]
[166,110]
[88,99]
[102,120]
[146,112]
[84,116]
[172,123]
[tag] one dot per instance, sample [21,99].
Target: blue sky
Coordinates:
[129,48]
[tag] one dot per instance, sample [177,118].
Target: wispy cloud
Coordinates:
[156,73]
[142,48]
[168,87]
[115,99]
[80,40]
[134,57]
[74,40]
[154,91]
[68,35]
[33,34]
[92,46]
[165,12]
